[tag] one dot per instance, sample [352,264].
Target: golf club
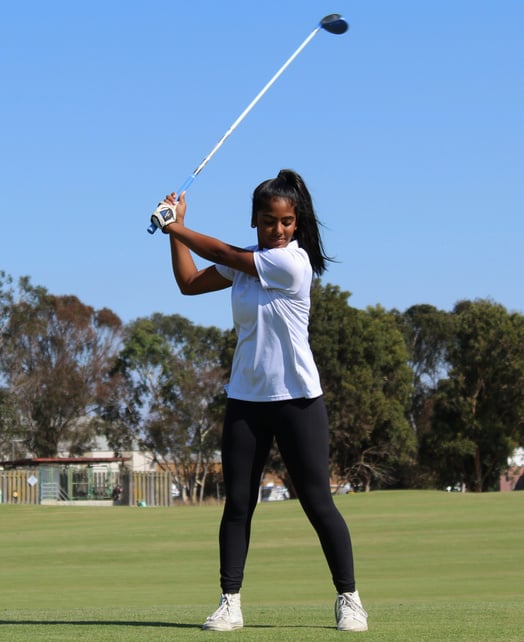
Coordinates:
[334,23]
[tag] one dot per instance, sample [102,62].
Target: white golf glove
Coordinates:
[164,214]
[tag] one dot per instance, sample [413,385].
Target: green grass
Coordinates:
[430,566]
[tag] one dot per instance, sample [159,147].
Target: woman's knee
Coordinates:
[239,505]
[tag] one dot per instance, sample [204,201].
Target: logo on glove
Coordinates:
[164,214]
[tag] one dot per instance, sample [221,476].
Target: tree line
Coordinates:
[423,398]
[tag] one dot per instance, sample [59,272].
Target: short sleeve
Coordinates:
[282,268]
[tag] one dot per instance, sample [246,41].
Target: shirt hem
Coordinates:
[265,398]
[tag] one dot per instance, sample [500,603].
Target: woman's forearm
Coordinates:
[207,247]
[184,268]
[184,240]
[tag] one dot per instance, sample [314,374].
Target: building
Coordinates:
[513,478]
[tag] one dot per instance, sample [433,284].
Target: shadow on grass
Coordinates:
[175,625]
[167,625]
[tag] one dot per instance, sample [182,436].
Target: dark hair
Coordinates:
[290,185]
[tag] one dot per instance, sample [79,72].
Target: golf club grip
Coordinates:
[183,188]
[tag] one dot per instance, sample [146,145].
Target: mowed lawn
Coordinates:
[430,566]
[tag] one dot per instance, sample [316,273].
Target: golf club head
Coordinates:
[334,23]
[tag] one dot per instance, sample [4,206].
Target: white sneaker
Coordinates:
[228,616]
[349,613]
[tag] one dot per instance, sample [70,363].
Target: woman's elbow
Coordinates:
[186,289]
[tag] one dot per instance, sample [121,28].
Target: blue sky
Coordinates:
[408,131]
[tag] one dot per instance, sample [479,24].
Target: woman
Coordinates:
[274,390]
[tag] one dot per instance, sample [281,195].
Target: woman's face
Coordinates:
[276,225]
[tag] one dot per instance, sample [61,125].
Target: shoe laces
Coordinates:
[348,602]
[223,609]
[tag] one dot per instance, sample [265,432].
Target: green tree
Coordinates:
[428,333]
[10,428]
[56,354]
[6,301]
[175,385]
[362,359]
[478,417]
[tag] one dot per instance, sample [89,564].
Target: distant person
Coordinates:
[274,390]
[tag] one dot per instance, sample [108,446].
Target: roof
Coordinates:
[42,461]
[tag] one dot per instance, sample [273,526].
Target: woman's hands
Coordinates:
[169,211]
[180,206]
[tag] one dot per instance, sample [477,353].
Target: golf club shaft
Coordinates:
[253,103]
[152,228]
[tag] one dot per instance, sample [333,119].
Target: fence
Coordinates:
[18,487]
[147,489]
[59,484]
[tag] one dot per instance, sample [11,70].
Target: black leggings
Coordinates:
[300,427]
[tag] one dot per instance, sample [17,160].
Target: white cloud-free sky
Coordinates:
[408,130]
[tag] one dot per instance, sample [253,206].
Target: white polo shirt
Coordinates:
[273,360]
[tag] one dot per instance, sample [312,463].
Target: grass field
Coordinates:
[430,566]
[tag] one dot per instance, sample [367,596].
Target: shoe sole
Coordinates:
[355,629]
[211,627]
